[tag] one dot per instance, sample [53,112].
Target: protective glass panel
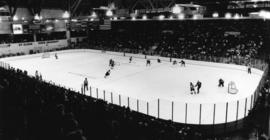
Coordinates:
[124,101]
[103,95]
[179,112]
[142,106]
[248,105]
[90,92]
[95,93]
[193,113]
[207,113]
[165,109]
[251,102]
[99,94]
[108,96]
[115,98]
[241,109]
[220,113]
[133,104]
[153,107]
[232,109]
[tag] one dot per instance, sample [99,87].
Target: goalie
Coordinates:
[220,83]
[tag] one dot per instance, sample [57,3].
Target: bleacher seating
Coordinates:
[227,38]
[36,110]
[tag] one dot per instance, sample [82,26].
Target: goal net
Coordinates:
[232,89]
[46,55]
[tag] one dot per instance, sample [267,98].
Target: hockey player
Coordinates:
[56,56]
[220,83]
[110,62]
[158,60]
[130,59]
[85,84]
[174,62]
[198,85]
[112,65]
[148,62]
[249,70]
[192,90]
[107,73]
[183,63]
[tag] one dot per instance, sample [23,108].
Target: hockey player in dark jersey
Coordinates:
[174,62]
[183,63]
[198,85]
[107,73]
[158,60]
[112,65]
[148,62]
[192,90]
[249,70]
[130,59]
[220,83]
[56,56]
[110,62]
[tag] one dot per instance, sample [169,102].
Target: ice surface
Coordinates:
[134,81]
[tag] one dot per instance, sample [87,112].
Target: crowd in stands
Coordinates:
[227,38]
[78,33]
[51,36]
[36,110]
[22,38]
[9,38]
[4,39]
[258,117]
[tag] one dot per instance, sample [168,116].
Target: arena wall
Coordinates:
[25,48]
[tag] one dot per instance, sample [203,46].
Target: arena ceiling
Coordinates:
[82,7]
[63,4]
[95,3]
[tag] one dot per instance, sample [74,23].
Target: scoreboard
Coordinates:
[17,29]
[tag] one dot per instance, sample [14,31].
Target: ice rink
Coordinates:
[140,87]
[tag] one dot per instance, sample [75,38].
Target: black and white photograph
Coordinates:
[134,69]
